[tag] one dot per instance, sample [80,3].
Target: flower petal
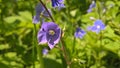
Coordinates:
[58,3]
[51,45]
[36,19]
[42,37]
[79,33]
[39,8]
[45,13]
[49,25]
[55,38]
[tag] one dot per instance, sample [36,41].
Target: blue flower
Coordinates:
[79,33]
[40,10]
[92,5]
[45,51]
[97,27]
[49,33]
[58,3]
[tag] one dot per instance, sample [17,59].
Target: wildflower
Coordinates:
[36,19]
[45,13]
[97,27]
[58,3]
[40,10]
[45,51]
[49,33]
[92,5]
[79,33]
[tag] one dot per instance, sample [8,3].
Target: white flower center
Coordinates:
[79,33]
[98,26]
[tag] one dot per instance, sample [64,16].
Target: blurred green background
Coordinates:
[93,51]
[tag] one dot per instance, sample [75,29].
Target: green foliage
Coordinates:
[93,51]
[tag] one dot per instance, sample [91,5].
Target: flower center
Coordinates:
[51,32]
[79,33]
[98,26]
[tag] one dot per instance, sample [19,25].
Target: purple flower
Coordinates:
[40,10]
[97,27]
[58,3]
[79,33]
[49,33]
[92,5]
[45,13]
[45,51]
[36,19]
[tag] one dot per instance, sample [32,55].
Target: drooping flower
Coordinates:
[79,33]
[92,5]
[49,33]
[97,27]
[58,3]
[40,10]
[45,51]
[45,13]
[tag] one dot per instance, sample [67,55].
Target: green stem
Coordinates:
[74,41]
[34,40]
[33,49]
[35,44]
[65,53]
[39,49]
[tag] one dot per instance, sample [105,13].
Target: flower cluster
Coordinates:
[97,27]
[50,32]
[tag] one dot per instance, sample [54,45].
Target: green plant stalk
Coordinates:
[33,49]
[74,43]
[65,53]
[98,11]
[34,39]
[35,45]
[39,49]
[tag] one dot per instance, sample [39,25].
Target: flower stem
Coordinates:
[35,44]
[65,53]
[39,49]
[33,50]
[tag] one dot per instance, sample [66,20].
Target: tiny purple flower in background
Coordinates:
[49,33]
[45,51]
[97,27]
[92,5]
[79,33]
[58,3]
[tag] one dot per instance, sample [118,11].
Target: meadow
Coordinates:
[59,33]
